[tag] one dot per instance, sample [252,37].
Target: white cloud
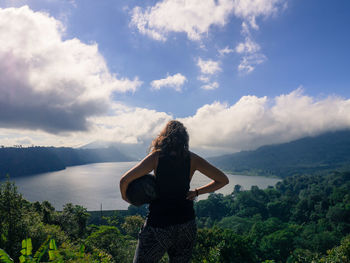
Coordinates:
[249,62]
[11,140]
[215,128]
[47,83]
[129,124]
[193,17]
[131,129]
[250,9]
[176,82]
[196,17]
[252,121]
[203,78]
[249,46]
[209,66]
[250,51]
[225,50]
[210,86]
[125,84]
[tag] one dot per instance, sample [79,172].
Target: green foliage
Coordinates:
[137,210]
[217,245]
[237,224]
[42,250]
[113,220]
[132,225]
[302,256]
[59,255]
[12,227]
[52,250]
[302,219]
[339,254]
[111,241]
[26,250]
[214,207]
[4,257]
[73,220]
[279,244]
[39,232]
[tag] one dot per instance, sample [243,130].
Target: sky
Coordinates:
[238,73]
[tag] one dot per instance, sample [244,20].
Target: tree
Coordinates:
[280,244]
[214,207]
[110,240]
[339,254]
[12,227]
[73,220]
[218,245]
[132,225]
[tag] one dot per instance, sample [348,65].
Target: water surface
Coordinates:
[94,184]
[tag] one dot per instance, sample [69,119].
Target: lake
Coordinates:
[94,184]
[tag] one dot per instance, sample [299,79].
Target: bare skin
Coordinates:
[150,163]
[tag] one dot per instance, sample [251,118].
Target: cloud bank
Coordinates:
[47,83]
[252,121]
[215,128]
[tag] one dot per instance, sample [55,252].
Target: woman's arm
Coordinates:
[144,167]
[218,177]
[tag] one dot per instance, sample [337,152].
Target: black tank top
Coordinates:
[173,182]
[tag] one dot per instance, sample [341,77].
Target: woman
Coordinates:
[170,225]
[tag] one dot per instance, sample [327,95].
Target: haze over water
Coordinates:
[95,184]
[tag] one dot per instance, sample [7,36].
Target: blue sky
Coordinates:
[278,54]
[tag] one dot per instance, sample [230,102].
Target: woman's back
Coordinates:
[171,226]
[173,183]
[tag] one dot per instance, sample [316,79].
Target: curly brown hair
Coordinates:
[173,138]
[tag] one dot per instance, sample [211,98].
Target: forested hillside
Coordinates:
[321,154]
[302,219]
[299,219]
[32,160]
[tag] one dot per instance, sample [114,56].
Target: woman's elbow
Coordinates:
[222,182]
[122,181]
[226,180]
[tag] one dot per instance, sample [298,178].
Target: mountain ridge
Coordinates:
[17,161]
[318,154]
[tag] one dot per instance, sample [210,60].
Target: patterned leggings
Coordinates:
[176,240]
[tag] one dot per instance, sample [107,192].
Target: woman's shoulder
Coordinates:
[152,156]
[197,160]
[194,156]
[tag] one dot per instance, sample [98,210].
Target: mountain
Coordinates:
[33,160]
[136,151]
[320,154]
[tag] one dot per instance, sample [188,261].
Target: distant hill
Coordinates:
[320,154]
[136,151]
[32,160]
